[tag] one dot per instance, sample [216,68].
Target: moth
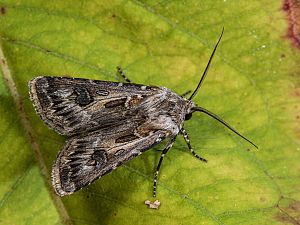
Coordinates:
[109,123]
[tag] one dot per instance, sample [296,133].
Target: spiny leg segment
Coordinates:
[164,152]
[186,93]
[187,140]
[122,74]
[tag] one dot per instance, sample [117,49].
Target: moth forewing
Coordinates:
[73,106]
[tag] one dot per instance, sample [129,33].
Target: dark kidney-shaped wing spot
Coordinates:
[100,156]
[83,96]
[126,138]
[115,103]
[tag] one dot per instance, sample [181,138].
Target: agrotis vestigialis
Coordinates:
[109,123]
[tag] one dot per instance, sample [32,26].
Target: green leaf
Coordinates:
[253,84]
[24,196]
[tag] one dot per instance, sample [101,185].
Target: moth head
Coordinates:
[190,109]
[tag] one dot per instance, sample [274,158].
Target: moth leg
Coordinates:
[186,93]
[122,74]
[187,141]
[164,152]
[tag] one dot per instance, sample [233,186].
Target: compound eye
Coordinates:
[188,116]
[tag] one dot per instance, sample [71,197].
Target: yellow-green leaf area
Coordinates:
[24,197]
[253,84]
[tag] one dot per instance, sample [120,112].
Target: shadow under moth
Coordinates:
[109,123]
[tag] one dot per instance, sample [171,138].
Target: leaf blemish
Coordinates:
[289,212]
[292,8]
[2,10]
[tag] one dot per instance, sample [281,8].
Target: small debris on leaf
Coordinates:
[152,205]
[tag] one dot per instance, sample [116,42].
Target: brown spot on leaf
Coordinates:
[283,218]
[262,199]
[2,10]
[297,91]
[292,8]
[289,211]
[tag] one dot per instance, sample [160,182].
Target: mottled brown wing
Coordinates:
[85,159]
[73,106]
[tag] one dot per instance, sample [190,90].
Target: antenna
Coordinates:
[207,67]
[200,109]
